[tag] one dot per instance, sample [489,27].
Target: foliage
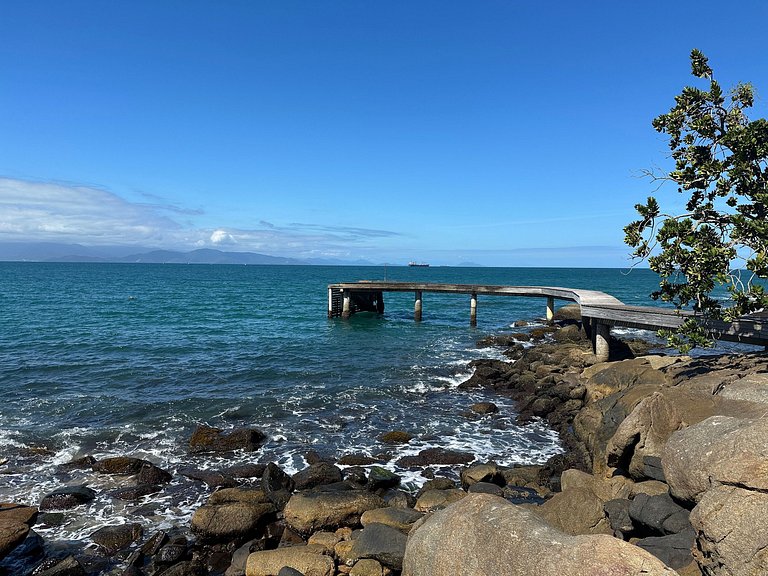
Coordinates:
[721,165]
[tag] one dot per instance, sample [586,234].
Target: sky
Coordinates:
[499,133]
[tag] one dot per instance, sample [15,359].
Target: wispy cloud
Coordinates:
[56,212]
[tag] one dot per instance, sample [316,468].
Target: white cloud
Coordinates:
[222,237]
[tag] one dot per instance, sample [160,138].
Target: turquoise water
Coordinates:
[112,359]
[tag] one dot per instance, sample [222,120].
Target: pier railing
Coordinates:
[599,311]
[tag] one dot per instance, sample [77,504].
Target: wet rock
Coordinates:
[187,568]
[12,533]
[209,477]
[150,475]
[223,522]
[436,456]
[154,543]
[270,562]
[173,551]
[381,478]
[68,566]
[244,495]
[112,539]
[396,437]
[358,460]
[120,465]
[484,408]
[245,470]
[84,463]
[310,512]
[277,485]
[316,475]
[209,439]
[67,497]
[382,543]
[483,534]
[133,493]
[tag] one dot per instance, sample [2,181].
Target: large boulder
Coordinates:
[382,543]
[608,378]
[732,531]
[313,511]
[236,520]
[483,535]
[399,518]
[576,511]
[718,450]
[112,539]
[316,475]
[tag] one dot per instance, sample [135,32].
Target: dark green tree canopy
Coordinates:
[721,166]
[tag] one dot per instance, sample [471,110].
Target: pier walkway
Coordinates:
[599,311]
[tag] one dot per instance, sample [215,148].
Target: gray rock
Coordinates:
[381,478]
[674,549]
[149,474]
[288,571]
[617,511]
[382,543]
[653,469]
[484,535]
[486,488]
[68,566]
[277,485]
[659,514]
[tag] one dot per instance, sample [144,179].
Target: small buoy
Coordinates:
[131,297]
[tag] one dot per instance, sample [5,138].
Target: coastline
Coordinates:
[614,420]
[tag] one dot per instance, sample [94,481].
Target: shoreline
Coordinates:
[545,381]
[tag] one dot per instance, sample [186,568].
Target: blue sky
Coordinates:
[503,133]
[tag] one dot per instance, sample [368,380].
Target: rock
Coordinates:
[209,477]
[674,550]
[570,333]
[173,551]
[15,522]
[617,511]
[437,499]
[486,488]
[575,511]
[68,566]
[604,488]
[209,439]
[245,471]
[381,478]
[288,571]
[752,387]
[317,474]
[327,540]
[718,450]
[358,460]
[277,485]
[310,512]
[189,568]
[83,463]
[486,535]
[382,543]
[112,539]
[366,567]
[132,493]
[270,562]
[224,522]
[659,514]
[67,497]
[568,312]
[653,469]
[522,495]
[396,437]
[484,408]
[481,473]
[643,434]
[437,456]
[650,487]
[120,465]
[244,495]
[149,474]
[620,376]
[732,538]
[398,518]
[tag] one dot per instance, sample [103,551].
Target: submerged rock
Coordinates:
[209,439]
[67,497]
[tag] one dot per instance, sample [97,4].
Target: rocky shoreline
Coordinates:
[665,471]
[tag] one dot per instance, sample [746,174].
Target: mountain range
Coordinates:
[55,252]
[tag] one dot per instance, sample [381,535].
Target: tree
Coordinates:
[721,165]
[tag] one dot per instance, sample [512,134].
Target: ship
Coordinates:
[418,264]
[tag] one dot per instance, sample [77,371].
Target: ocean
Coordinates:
[127,359]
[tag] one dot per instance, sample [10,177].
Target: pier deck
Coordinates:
[599,311]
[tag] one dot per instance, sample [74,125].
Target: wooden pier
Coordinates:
[599,311]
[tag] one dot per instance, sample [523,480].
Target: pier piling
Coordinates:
[473,309]
[417,306]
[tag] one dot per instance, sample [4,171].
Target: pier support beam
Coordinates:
[602,338]
[330,302]
[550,309]
[417,307]
[346,306]
[473,309]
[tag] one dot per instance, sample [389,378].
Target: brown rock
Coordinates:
[230,521]
[576,511]
[483,535]
[310,512]
[269,562]
[438,499]
[399,518]
[396,437]
[209,439]
[438,456]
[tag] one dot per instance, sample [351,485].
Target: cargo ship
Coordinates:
[418,264]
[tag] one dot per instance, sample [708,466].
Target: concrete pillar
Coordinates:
[550,308]
[346,307]
[473,309]
[602,336]
[330,302]
[417,307]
